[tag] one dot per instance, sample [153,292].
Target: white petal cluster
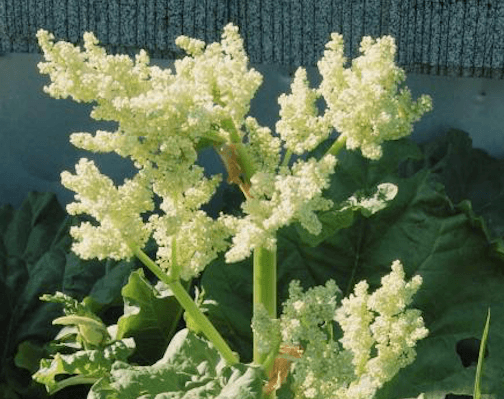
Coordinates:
[362,101]
[379,336]
[117,210]
[299,126]
[160,115]
[381,317]
[278,200]
[164,117]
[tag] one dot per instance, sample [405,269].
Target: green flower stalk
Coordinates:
[265,289]
[191,308]
[165,117]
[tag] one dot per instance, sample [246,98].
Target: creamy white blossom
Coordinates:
[294,194]
[299,126]
[381,321]
[164,117]
[378,339]
[116,209]
[362,100]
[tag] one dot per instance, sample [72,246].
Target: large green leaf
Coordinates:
[35,259]
[151,315]
[190,369]
[433,238]
[468,174]
[84,367]
[32,261]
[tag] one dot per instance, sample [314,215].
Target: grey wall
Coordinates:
[438,37]
[34,128]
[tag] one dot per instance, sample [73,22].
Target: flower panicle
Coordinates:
[166,116]
[379,323]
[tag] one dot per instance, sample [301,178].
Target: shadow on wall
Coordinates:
[36,128]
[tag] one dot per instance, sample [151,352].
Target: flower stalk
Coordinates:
[190,307]
[265,288]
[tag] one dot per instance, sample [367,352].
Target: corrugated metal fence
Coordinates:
[439,37]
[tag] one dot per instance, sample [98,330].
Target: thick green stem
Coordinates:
[265,293]
[265,289]
[74,380]
[190,307]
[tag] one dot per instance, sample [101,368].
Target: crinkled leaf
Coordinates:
[102,281]
[28,356]
[468,174]
[34,260]
[433,238]
[89,365]
[151,315]
[231,287]
[190,368]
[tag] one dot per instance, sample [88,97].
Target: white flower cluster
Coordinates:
[117,209]
[376,324]
[299,126]
[277,200]
[361,101]
[164,118]
[393,332]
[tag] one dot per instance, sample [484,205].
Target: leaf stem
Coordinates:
[287,158]
[481,359]
[190,307]
[73,380]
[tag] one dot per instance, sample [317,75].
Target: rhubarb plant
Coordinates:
[165,119]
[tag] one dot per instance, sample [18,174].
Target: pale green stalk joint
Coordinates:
[245,161]
[337,145]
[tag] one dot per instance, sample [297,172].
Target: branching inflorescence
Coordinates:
[165,118]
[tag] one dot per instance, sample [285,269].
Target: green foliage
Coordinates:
[33,245]
[151,315]
[443,243]
[35,259]
[190,368]
[89,330]
[92,349]
[84,366]
[472,179]
[447,244]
